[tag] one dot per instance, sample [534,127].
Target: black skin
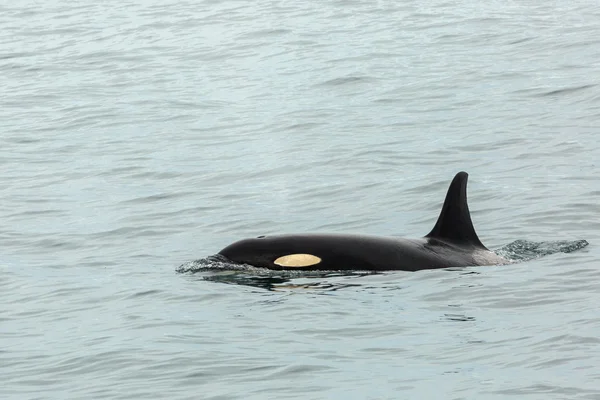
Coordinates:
[452,243]
[354,252]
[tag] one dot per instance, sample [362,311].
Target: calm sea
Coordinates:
[139,136]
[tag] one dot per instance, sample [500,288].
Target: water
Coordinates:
[137,137]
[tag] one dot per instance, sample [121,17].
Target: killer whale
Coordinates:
[452,242]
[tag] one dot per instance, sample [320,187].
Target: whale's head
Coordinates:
[269,252]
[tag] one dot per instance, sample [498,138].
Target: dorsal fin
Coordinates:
[454,222]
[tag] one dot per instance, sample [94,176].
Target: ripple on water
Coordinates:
[137,137]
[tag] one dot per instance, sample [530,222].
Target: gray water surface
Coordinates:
[136,137]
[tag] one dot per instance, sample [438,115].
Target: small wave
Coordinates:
[266,33]
[524,250]
[345,81]
[568,90]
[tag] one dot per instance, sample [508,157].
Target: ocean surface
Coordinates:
[138,138]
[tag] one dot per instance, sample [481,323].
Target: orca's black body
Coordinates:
[452,243]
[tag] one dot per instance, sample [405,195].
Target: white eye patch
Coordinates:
[297,260]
